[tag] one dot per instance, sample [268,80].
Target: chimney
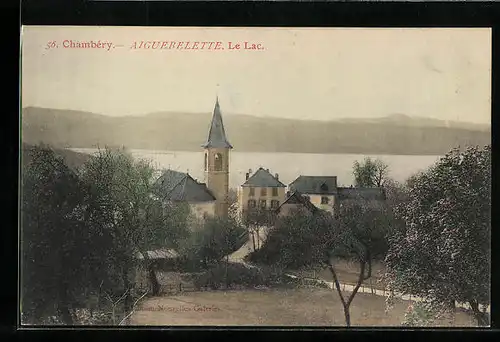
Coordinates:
[287,194]
[277,176]
[267,170]
[246,176]
[250,171]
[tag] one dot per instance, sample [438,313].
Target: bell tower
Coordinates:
[217,162]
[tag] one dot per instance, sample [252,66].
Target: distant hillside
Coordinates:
[73,160]
[406,120]
[395,134]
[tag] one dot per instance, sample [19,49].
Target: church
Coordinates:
[209,198]
[261,190]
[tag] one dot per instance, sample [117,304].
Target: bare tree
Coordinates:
[255,219]
[370,173]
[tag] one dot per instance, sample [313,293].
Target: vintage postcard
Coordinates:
[255,176]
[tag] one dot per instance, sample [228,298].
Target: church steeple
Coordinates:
[217,134]
[217,163]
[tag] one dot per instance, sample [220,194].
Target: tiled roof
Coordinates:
[315,185]
[361,193]
[263,178]
[160,254]
[169,179]
[297,198]
[217,135]
[178,186]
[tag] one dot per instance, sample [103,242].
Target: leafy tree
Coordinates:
[216,238]
[289,243]
[396,194]
[53,277]
[318,240]
[81,230]
[443,254]
[370,173]
[121,206]
[420,314]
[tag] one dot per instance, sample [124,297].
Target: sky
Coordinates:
[301,73]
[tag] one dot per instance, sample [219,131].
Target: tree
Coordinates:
[122,206]
[233,206]
[216,238]
[81,230]
[443,254]
[395,193]
[318,240]
[370,173]
[255,220]
[53,261]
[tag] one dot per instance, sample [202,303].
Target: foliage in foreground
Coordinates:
[81,231]
[316,241]
[443,254]
[53,239]
[213,241]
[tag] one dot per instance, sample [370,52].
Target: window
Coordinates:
[263,191]
[218,162]
[275,204]
[251,203]
[252,191]
[263,204]
[325,200]
[206,161]
[275,191]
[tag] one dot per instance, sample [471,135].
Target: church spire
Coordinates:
[217,135]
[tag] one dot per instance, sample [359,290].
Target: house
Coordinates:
[296,202]
[321,191]
[370,196]
[261,191]
[177,187]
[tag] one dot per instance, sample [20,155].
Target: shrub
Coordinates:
[241,275]
[425,314]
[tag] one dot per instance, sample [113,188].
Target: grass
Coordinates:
[348,273]
[281,307]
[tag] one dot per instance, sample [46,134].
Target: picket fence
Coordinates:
[378,292]
[176,288]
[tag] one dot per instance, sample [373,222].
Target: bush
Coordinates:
[425,314]
[185,264]
[314,283]
[241,275]
[418,315]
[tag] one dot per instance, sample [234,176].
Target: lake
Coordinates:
[288,165]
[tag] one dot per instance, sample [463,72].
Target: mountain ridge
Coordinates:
[393,118]
[394,134]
